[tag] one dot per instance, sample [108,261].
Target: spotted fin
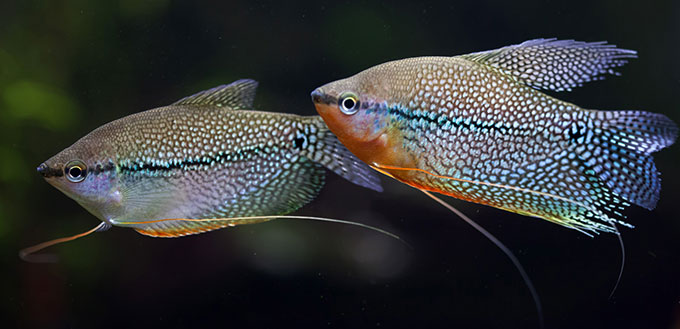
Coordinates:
[332,154]
[620,154]
[239,94]
[559,191]
[558,65]
[585,186]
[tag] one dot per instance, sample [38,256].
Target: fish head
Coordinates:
[357,110]
[83,175]
[352,108]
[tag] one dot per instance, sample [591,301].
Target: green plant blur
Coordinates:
[67,67]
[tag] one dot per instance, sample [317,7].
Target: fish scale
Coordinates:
[467,130]
[207,156]
[224,157]
[476,127]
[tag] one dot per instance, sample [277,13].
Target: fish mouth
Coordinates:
[47,172]
[319,97]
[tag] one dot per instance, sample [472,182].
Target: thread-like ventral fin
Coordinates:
[28,254]
[167,233]
[239,94]
[558,65]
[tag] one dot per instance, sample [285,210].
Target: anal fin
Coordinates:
[173,228]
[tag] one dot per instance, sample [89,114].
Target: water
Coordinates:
[67,68]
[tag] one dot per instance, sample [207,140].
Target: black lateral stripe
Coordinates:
[191,163]
[440,120]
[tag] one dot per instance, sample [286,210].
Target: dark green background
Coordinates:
[67,67]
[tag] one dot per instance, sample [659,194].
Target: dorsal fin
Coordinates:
[239,94]
[557,65]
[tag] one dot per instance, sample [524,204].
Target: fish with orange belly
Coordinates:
[476,127]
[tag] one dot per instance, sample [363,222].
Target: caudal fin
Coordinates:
[619,152]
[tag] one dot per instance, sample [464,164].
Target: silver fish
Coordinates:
[168,171]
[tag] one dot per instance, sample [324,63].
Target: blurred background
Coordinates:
[67,67]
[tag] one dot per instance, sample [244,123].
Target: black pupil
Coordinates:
[348,103]
[75,172]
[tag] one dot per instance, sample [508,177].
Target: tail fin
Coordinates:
[326,149]
[620,152]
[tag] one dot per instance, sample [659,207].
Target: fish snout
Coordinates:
[319,97]
[47,172]
[43,169]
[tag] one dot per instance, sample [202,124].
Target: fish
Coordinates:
[205,162]
[479,127]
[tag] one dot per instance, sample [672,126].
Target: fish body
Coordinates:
[478,128]
[207,156]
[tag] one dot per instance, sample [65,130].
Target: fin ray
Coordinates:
[28,254]
[500,246]
[239,94]
[333,155]
[558,65]
[620,154]
[230,222]
[173,228]
[586,210]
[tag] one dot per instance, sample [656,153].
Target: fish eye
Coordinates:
[349,103]
[75,171]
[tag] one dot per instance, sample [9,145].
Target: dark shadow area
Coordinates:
[67,67]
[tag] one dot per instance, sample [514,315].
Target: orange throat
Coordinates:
[387,149]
